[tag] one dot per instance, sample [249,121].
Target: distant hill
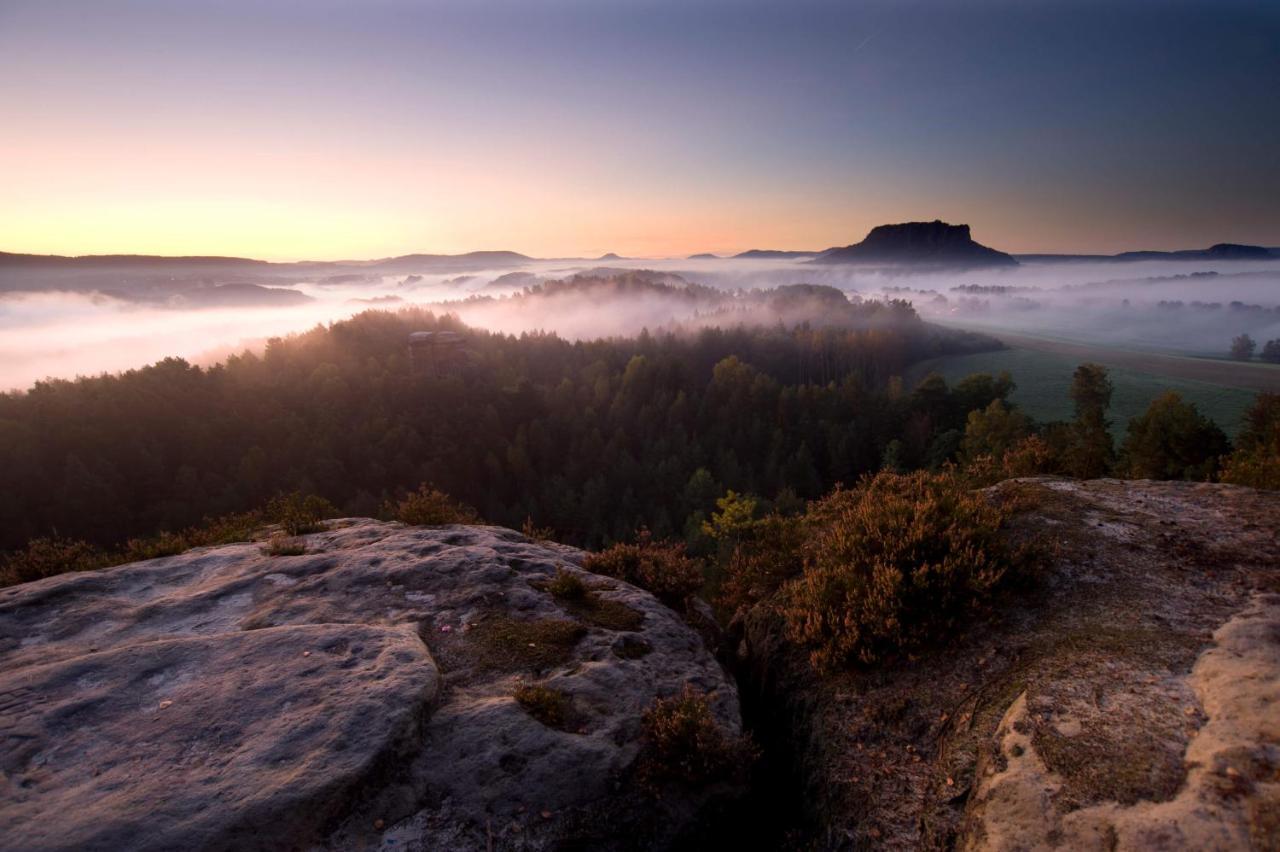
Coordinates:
[935,243]
[10,260]
[610,256]
[477,259]
[706,255]
[238,296]
[511,281]
[1220,251]
[444,262]
[770,254]
[150,277]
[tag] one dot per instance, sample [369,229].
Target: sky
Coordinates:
[291,129]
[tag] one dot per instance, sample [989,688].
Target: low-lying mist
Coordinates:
[1186,307]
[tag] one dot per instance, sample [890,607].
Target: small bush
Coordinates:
[549,706]
[566,585]
[683,742]
[283,545]
[164,544]
[45,557]
[298,513]
[766,556]
[585,603]
[225,529]
[1032,456]
[893,565]
[531,531]
[428,507]
[663,569]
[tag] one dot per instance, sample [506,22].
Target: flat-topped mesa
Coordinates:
[935,243]
[389,687]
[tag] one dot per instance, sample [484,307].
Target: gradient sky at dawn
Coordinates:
[320,129]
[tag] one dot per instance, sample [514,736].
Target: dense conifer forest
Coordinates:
[592,439]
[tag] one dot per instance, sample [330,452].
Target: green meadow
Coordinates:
[1044,382]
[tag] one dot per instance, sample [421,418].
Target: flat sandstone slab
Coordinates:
[240,739]
[358,695]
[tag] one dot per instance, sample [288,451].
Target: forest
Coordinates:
[592,440]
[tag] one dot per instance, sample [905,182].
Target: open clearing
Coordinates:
[1251,375]
[1044,382]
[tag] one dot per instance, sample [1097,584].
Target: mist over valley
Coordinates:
[63,317]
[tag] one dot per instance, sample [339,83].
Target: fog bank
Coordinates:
[1184,307]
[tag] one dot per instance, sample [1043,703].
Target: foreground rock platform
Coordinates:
[356,696]
[1127,698]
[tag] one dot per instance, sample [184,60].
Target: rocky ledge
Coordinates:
[358,695]
[1127,698]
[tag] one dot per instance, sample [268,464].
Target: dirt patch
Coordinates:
[502,643]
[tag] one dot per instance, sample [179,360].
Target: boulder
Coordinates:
[358,695]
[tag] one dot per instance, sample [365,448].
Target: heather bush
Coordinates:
[683,742]
[45,557]
[532,531]
[298,513]
[764,556]
[661,568]
[429,507]
[284,545]
[566,585]
[549,706]
[892,565]
[163,544]
[1032,456]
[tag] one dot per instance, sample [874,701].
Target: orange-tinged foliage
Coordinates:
[430,507]
[683,742]
[663,569]
[892,565]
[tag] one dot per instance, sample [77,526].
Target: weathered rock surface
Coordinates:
[1129,699]
[357,696]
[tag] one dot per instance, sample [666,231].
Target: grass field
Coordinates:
[1044,383]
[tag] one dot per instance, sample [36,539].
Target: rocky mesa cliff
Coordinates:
[933,244]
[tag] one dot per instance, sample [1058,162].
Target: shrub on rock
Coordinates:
[298,513]
[429,507]
[549,706]
[661,568]
[894,564]
[45,557]
[684,743]
[283,545]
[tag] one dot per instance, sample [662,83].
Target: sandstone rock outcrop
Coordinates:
[358,695]
[1128,698]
